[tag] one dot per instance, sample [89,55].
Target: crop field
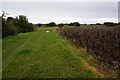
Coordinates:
[39,54]
[63,39]
[102,42]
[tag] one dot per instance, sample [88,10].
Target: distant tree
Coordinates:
[98,24]
[52,24]
[76,24]
[61,25]
[110,24]
[91,24]
[66,24]
[46,25]
[71,24]
[39,25]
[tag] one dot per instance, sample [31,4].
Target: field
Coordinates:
[102,41]
[39,54]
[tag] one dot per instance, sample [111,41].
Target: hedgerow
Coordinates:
[104,42]
[12,26]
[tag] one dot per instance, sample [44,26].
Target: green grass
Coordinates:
[42,55]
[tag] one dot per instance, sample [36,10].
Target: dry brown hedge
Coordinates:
[101,41]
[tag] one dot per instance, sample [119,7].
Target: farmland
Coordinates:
[39,54]
[60,39]
[102,41]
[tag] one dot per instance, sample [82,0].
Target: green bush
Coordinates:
[110,24]
[8,28]
[23,25]
[76,24]
[61,25]
[39,25]
[12,26]
[52,24]
[71,24]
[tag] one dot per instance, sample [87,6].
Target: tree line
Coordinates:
[12,26]
[76,24]
[53,24]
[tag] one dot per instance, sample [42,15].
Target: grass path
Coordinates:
[39,54]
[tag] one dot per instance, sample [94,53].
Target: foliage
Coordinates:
[110,24]
[12,26]
[47,25]
[61,25]
[8,28]
[23,25]
[9,19]
[76,24]
[39,25]
[98,24]
[104,42]
[71,24]
[52,24]
[119,23]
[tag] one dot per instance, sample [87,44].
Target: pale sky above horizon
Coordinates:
[63,12]
[60,0]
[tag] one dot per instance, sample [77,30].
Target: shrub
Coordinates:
[71,24]
[76,24]
[9,19]
[29,27]
[52,24]
[98,24]
[8,28]
[23,25]
[101,41]
[61,25]
[12,26]
[110,24]
[39,25]
[47,25]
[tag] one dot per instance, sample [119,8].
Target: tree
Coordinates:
[46,25]
[52,24]
[76,24]
[71,24]
[23,24]
[98,24]
[39,25]
[8,28]
[110,24]
[9,19]
[12,26]
[61,25]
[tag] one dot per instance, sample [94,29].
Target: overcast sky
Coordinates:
[63,12]
[60,0]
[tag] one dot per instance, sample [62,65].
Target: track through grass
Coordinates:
[42,55]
